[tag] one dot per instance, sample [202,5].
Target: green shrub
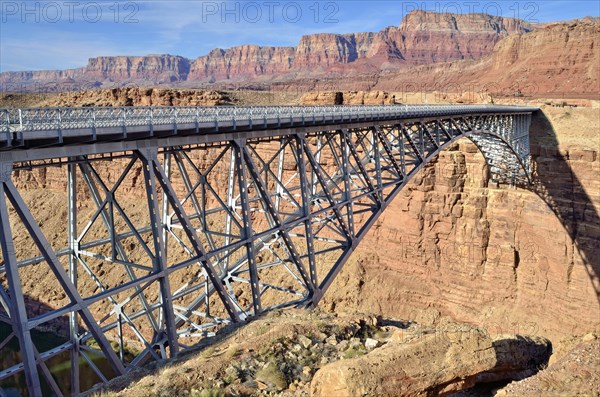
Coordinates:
[273,375]
[355,352]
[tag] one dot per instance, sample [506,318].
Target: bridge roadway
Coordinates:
[227,213]
[174,126]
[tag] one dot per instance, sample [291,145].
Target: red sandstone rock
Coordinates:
[241,62]
[156,68]
[322,98]
[422,38]
[139,97]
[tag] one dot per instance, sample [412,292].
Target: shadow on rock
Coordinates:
[558,186]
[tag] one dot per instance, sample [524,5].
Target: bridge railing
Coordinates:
[42,119]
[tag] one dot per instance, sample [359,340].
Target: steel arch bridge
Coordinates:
[180,221]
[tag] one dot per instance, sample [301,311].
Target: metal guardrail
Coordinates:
[44,119]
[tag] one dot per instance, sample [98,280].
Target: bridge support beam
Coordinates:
[205,234]
[16,302]
[160,255]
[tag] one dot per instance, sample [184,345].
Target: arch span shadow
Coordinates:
[557,184]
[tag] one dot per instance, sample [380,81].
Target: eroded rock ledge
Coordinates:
[300,353]
[448,360]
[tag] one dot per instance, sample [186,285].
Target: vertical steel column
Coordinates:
[305,188]
[160,259]
[334,206]
[279,183]
[230,204]
[18,311]
[195,203]
[88,174]
[361,168]
[421,141]
[165,206]
[318,151]
[74,252]
[527,145]
[111,223]
[400,137]
[345,149]
[389,153]
[418,153]
[240,165]
[377,155]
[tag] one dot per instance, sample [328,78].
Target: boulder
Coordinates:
[435,364]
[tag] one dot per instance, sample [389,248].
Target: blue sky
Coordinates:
[37,35]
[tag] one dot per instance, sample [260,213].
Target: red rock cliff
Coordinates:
[242,61]
[156,68]
[421,38]
[40,75]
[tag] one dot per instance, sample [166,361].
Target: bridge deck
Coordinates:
[55,127]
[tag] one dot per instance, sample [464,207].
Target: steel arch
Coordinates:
[232,224]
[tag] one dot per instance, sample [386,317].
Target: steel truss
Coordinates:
[222,232]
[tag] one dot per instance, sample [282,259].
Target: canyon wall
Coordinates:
[421,38]
[159,68]
[500,257]
[241,62]
[11,81]
[560,60]
[430,37]
[428,52]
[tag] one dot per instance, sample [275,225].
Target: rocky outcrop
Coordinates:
[326,49]
[139,97]
[419,21]
[559,58]
[448,361]
[368,98]
[348,98]
[322,98]
[427,37]
[294,352]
